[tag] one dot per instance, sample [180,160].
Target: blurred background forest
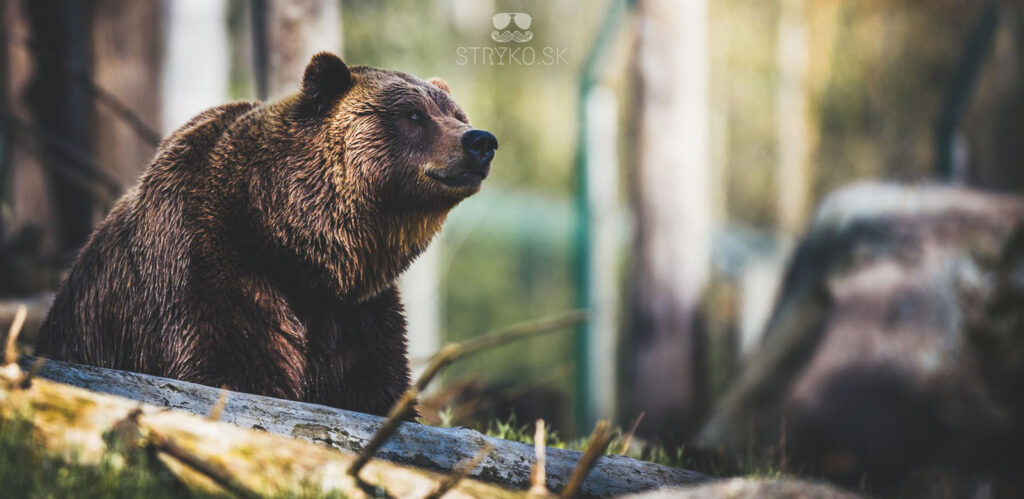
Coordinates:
[660,171]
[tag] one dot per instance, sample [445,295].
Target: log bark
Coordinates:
[437,449]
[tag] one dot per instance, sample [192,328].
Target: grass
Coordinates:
[709,461]
[767,466]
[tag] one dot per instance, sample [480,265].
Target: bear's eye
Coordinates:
[415,116]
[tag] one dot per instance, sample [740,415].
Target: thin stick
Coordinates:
[462,470]
[454,351]
[215,473]
[538,475]
[66,169]
[11,350]
[32,372]
[218,407]
[395,417]
[144,434]
[523,331]
[629,436]
[782,443]
[121,110]
[599,441]
[448,354]
[70,152]
[467,409]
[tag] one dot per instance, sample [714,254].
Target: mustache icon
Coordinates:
[516,36]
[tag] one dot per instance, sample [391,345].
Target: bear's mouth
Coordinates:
[459,179]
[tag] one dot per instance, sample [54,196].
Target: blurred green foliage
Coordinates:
[505,251]
[876,74]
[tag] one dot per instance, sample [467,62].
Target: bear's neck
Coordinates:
[379,260]
[355,261]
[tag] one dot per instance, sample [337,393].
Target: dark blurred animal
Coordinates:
[895,356]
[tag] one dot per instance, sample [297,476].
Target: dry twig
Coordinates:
[11,349]
[462,470]
[218,407]
[86,173]
[538,476]
[448,354]
[120,110]
[26,380]
[599,441]
[220,476]
[629,436]
[395,417]
[133,433]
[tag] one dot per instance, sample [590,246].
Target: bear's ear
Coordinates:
[326,79]
[439,83]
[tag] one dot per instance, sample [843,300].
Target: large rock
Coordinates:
[749,488]
[895,351]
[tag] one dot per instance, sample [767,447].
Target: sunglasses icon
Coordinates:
[501,20]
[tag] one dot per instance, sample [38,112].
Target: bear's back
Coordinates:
[129,279]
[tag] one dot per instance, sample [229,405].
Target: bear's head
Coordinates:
[362,166]
[404,141]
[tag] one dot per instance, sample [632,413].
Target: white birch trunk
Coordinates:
[671,200]
[197,65]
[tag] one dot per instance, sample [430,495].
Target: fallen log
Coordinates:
[77,424]
[432,448]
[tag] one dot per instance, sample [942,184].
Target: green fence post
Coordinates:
[584,403]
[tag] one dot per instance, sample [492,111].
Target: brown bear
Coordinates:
[261,247]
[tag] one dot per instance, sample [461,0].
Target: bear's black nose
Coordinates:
[480,144]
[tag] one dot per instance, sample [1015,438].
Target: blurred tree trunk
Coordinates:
[286,35]
[127,52]
[193,84]
[793,127]
[670,196]
[61,108]
[83,108]
[28,191]
[49,191]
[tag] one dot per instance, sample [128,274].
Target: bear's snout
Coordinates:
[480,145]
[466,169]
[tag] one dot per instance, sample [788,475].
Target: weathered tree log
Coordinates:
[73,422]
[438,449]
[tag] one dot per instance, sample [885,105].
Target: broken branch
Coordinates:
[599,441]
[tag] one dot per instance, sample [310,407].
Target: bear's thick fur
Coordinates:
[260,249]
